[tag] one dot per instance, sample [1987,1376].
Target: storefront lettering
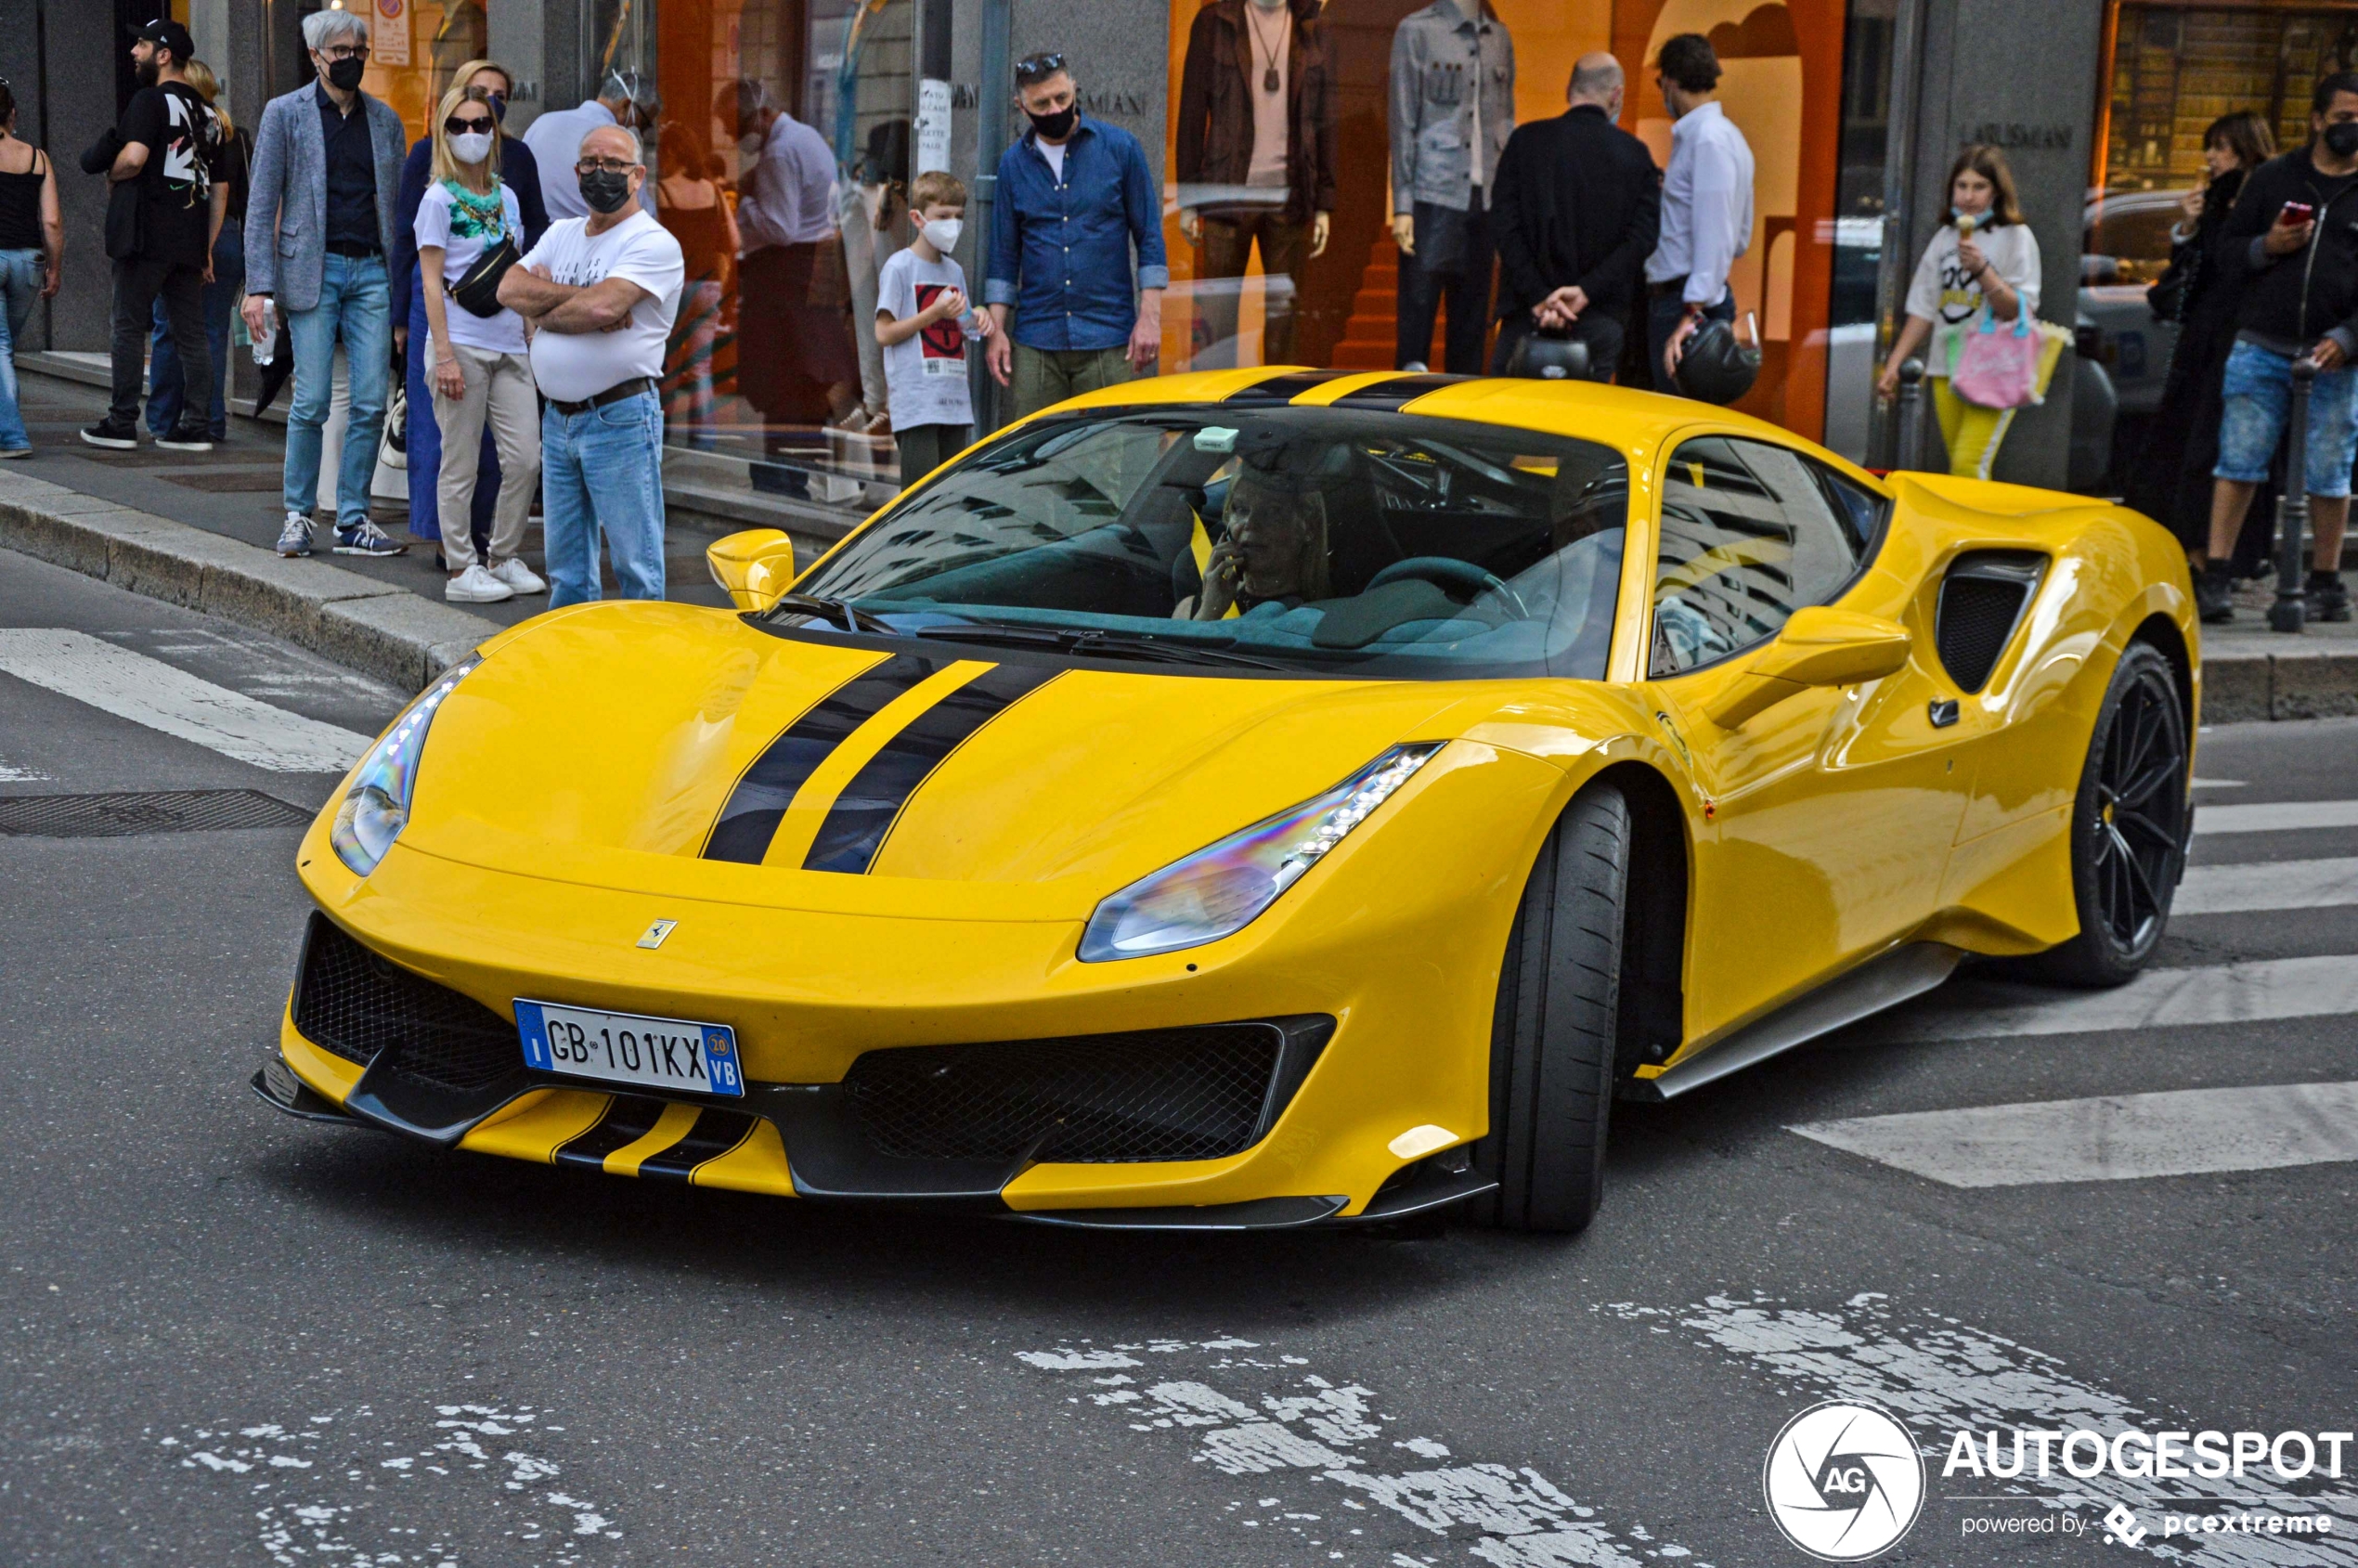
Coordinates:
[2013,133]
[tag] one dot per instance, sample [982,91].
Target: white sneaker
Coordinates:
[519,577]
[295,538]
[476,586]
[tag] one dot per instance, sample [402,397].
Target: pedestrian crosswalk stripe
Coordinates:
[2111,1139]
[2232,889]
[149,691]
[2275,817]
[2276,988]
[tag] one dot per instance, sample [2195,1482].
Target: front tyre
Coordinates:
[2127,826]
[1551,1045]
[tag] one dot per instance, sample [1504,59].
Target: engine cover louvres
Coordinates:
[1982,600]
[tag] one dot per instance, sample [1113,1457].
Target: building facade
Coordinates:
[1853,108]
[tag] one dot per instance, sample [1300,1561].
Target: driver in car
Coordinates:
[1275,551]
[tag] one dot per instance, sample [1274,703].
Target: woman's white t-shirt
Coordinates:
[1943,295]
[571,367]
[442,222]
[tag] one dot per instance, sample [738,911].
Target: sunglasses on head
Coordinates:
[1038,68]
[459,127]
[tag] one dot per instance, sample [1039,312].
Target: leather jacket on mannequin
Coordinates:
[1452,109]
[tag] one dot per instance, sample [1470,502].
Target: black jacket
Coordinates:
[1578,201]
[2295,300]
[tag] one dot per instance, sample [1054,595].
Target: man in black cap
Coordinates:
[172,147]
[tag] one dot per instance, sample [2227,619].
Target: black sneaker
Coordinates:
[187,438]
[120,435]
[2328,601]
[2214,596]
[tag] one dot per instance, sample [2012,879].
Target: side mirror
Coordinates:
[1819,647]
[753,567]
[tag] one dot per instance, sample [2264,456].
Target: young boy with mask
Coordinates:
[924,321]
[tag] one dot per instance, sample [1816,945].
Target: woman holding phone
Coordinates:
[1983,256]
[476,363]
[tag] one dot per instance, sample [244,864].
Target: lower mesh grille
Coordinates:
[1181,1094]
[357,1005]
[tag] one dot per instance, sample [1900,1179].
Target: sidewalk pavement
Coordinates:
[198,529]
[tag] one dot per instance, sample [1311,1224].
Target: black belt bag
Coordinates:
[478,292]
[615,394]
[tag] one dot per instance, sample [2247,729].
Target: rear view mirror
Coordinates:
[753,567]
[1819,647]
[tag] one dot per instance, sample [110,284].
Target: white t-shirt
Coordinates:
[1054,152]
[574,366]
[462,241]
[924,374]
[1943,295]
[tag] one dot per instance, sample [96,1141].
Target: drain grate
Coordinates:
[116,816]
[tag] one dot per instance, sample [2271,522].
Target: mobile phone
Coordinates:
[2296,213]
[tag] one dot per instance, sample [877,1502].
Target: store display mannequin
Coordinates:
[1256,160]
[1452,109]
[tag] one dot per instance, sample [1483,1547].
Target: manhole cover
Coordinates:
[116,816]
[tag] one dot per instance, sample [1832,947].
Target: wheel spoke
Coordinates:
[2144,887]
[2161,836]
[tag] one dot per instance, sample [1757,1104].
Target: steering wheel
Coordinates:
[1447,572]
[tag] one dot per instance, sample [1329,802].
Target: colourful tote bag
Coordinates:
[1999,370]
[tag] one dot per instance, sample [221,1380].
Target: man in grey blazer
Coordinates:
[327,166]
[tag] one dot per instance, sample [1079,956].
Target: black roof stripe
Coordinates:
[1389,394]
[1281,389]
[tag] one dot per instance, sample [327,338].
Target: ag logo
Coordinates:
[1843,1482]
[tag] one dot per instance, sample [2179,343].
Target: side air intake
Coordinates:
[1982,600]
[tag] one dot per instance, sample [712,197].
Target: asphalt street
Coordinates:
[227,1336]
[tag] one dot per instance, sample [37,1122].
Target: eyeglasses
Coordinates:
[603,166]
[335,52]
[1037,68]
[459,127]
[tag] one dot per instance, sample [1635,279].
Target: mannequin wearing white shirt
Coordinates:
[1706,208]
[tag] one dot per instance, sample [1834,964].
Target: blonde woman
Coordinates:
[476,365]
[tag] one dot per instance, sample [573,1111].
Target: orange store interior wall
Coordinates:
[1782,87]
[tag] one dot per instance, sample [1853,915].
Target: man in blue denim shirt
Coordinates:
[1073,195]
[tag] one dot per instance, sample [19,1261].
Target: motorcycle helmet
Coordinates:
[1545,357]
[1714,367]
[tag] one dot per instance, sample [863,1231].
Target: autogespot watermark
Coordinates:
[1844,1481]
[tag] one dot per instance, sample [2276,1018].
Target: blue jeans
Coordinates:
[2257,392]
[355,303]
[602,472]
[424,451]
[164,392]
[20,287]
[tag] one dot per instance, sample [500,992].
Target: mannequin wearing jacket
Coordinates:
[1452,109]
[1256,161]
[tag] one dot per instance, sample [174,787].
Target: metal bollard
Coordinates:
[1912,415]
[2291,609]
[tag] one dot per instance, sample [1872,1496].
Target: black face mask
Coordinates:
[605,189]
[1056,126]
[2342,139]
[343,75]
[500,108]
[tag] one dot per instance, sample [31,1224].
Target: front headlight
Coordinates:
[1223,887]
[376,807]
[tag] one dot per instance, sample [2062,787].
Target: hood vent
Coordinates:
[1982,600]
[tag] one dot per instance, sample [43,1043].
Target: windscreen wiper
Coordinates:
[840,610]
[1096,641]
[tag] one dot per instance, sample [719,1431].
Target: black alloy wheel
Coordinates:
[2127,826]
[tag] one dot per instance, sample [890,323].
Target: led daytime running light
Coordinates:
[1225,887]
[376,803]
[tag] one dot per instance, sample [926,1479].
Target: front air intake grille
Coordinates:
[357,1005]
[1982,600]
[1159,1094]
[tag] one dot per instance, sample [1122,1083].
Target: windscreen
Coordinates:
[1307,540]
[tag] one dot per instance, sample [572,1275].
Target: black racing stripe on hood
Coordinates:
[716,1132]
[750,819]
[627,1119]
[1281,389]
[872,802]
[1391,395]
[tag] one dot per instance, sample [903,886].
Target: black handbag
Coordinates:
[478,292]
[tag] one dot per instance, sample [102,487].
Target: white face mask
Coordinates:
[472,148]
[942,234]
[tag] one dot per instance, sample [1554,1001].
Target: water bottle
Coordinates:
[266,342]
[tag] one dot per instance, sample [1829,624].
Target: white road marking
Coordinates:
[2276,988]
[2235,890]
[1508,1517]
[2275,817]
[1940,1377]
[11,774]
[2118,1137]
[150,692]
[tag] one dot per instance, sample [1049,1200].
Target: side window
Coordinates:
[1751,532]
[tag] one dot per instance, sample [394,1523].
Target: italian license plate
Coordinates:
[627,1048]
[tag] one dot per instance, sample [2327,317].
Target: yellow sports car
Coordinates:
[1251,798]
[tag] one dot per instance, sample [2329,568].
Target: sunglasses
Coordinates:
[459,127]
[603,165]
[1038,68]
[334,52]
